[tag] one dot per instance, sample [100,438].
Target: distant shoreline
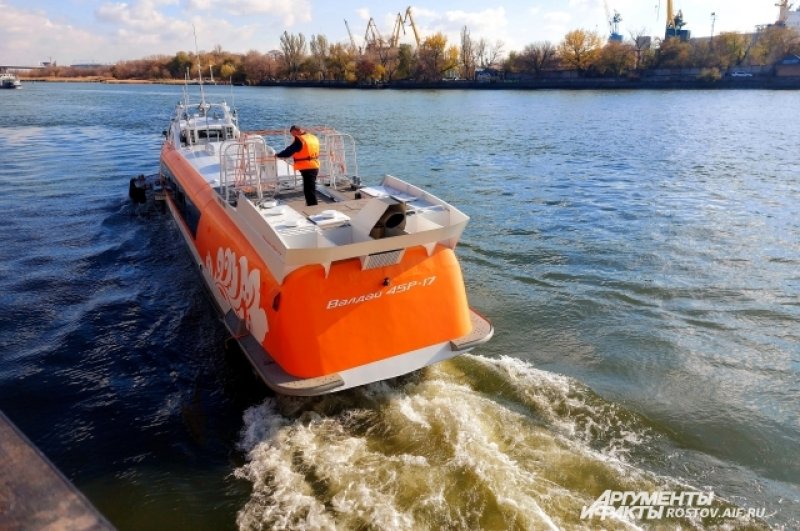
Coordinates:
[643,83]
[101,79]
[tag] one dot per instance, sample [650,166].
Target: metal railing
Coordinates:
[337,156]
[248,165]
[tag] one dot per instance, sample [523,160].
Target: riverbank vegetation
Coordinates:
[580,54]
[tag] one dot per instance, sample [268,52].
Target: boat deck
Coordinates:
[348,216]
[347,204]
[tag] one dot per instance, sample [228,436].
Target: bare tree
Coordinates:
[642,45]
[467,58]
[384,56]
[255,66]
[294,51]
[341,61]
[489,54]
[538,56]
[319,56]
[367,69]
[273,64]
[774,43]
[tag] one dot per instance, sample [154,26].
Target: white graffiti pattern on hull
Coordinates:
[241,288]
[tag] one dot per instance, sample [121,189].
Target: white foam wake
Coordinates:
[474,443]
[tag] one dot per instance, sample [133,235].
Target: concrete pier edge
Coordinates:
[34,494]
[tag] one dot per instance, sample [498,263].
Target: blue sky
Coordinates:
[80,31]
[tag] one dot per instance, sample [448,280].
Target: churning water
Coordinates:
[637,252]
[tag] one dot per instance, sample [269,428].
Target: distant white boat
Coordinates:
[9,81]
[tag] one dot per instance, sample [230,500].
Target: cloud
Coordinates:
[489,22]
[557,17]
[141,16]
[51,38]
[146,22]
[199,5]
[583,5]
[150,28]
[291,12]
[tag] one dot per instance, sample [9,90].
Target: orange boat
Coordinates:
[362,287]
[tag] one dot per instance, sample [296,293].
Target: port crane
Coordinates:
[613,24]
[783,14]
[675,24]
[372,37]
[410,20]
[400,25]
[353,47]
[373,40]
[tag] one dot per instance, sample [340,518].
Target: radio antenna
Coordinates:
[199,69]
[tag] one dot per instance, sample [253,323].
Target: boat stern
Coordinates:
[352,317]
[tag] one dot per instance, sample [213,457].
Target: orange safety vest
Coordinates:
[308,156]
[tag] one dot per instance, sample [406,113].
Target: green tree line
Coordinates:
[581,51]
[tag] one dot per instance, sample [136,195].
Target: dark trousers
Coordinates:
[310,186]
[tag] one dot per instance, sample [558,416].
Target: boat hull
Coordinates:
[321,328]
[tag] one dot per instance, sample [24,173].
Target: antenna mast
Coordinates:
[199,68]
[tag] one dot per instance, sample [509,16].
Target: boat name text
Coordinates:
[393,290]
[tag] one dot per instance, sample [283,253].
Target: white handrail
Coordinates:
[247,165]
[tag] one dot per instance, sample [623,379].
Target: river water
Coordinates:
[637,252]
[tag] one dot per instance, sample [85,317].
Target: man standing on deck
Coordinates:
[305,150]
